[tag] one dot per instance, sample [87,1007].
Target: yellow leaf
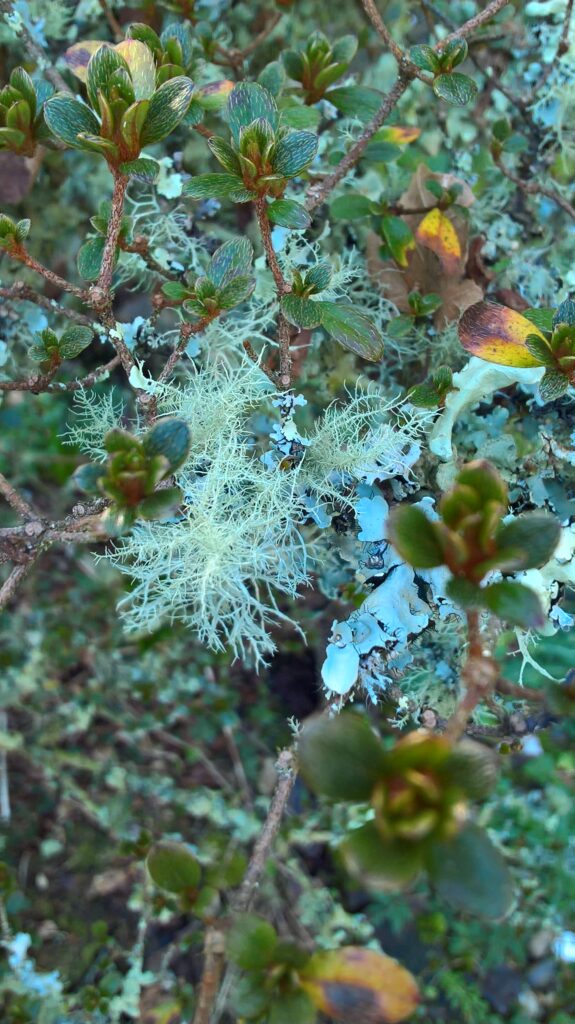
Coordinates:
[140,61]
[436,232]
[398,134]
[353,984]
[77,57]
[497,334]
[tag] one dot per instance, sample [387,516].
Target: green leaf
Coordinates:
[300,117]
[144,168]
[175,290]
[248,102]
[167,108]
[474,766]
[251,997]
[341,758]
[101,67]
[399,239]
[515,604]
[565,314]
[453,53]
[471,874]
[294,64]
[172,866]
[530,539]
[380,865]
[237,291]
[225,154]
[344,48]
[301,312]
[140,60]
[539,347]
[232,259]
[11,138]
[74,340]
[67,118]
[464,592]
[318,276]
[289,214]
[351,206]
[294,152]
[356,101]
[272,77]
[353,330]
[160,504]
[542,318]
[553,385]
[251,942]
[290,1007]
[455,88]
[89,258]
[425,58]
[170,438]
[86,477]
[217,186]
[483,477]
[414,537]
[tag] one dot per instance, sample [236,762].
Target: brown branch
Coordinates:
[104,282]
[45,383]
[141,246]
[20,292]
[213,969]
[19,252]
[36,52]
[187,331]
[10,586]
[17,502]
[477,21]
[534,188]
[284,374]
[479,676]
[285,766]
[382,29]
[316,196]
[112,20]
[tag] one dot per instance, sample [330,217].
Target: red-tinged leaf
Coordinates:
[353,984]
[77,57]
[436,232]
[497,334]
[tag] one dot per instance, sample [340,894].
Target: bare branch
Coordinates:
[285,766]
[284,332]
[318,195]
[35,51]
[17,502]
[532,188]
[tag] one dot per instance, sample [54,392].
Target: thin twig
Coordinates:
[318,195]
[473,23]
[284,331]
[213,968]
[382,29]
[4,784]
[35,51]
[18,503]
[187,330]
[104,282]
[534,188]
[285,766]
[479,676]
[112,21]
[10,586]
[20,292]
